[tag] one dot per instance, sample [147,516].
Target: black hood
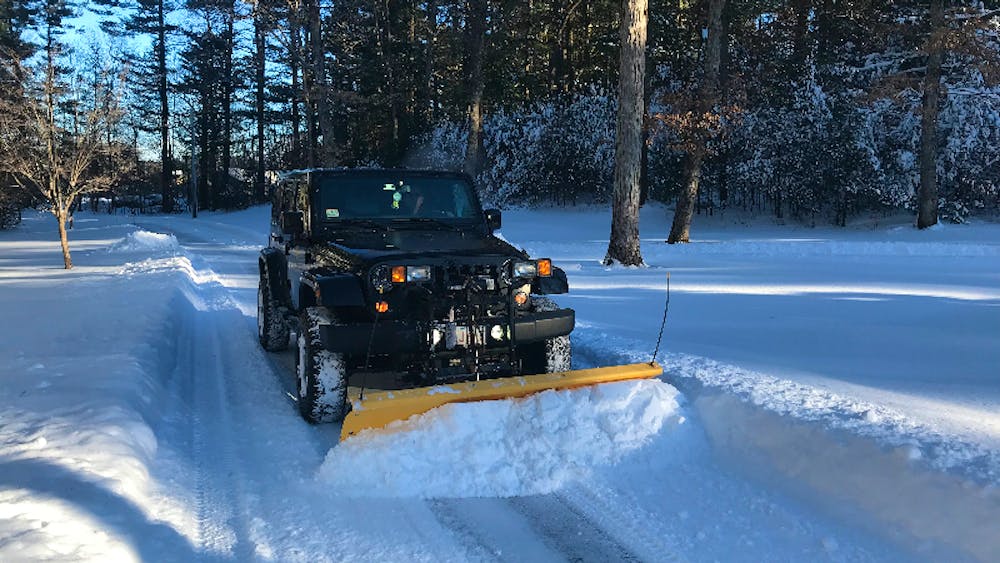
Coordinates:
[365,247]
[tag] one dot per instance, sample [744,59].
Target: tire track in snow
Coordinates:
[223,529]
[223,500]
[569,531]
[480,546]
[533,528]
[620,517]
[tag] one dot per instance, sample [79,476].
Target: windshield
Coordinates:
[394,197]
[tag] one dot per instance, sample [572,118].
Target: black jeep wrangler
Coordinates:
[395,275]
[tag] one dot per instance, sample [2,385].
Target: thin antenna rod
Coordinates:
[666,308]
[368,356]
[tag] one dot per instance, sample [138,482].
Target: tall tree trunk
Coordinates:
[624,244]
[927,196]
[54,192]
[193,187]
[166,159]
[429,100]
[260,56]
[386,59]
[644,160]
[206,158]
[477,37]
[308,84]
[800,35]
[62,214]
[680,230]
[321,94]
[826,34]
[227,101]
[295,42]
[557,11]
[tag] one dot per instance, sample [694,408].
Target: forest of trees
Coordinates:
[814,110]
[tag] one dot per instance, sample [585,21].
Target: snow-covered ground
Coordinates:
[829,395]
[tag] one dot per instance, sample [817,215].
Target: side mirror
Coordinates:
[493,219]
[292,224]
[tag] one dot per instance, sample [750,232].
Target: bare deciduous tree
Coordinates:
[707,97]
[42,157]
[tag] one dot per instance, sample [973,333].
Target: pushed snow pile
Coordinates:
[145,241]
[507,448]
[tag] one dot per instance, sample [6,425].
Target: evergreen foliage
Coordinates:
[818,116]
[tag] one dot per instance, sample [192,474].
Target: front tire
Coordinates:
[321,374]
[272,330]
[554,355]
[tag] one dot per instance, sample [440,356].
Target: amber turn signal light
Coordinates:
[398,274]
[382,307]
[520,298]
[545,268]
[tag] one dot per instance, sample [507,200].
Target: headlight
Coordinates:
[381,278]
[401,274]
[418,273]
[525,269]
[542,268]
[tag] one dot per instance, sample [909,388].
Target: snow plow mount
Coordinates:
[382,408]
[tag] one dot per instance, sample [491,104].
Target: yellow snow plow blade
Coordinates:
[379,409]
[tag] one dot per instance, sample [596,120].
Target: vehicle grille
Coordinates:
[470,290]
[478,278]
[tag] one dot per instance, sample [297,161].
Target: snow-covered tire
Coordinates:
[272,330]
[321,374]
[551,356]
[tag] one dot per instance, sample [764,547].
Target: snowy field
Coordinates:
[829,394]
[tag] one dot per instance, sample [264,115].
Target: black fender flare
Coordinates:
[552,285]
[336,289]
[275,265]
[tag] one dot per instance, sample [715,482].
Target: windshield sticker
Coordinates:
[389,188]
[397,196]
[332,213]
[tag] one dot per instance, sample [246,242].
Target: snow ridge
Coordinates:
[146,241]
[925,444]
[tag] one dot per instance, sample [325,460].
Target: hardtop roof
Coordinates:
[292,174]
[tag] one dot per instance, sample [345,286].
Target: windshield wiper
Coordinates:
[426,221]
[359,223]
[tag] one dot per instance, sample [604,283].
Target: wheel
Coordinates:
[322,375]
[272,330]
[550,356]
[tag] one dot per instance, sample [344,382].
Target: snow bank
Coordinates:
[503,448]
[923,443]
[146,241]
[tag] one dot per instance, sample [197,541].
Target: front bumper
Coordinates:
[403,336]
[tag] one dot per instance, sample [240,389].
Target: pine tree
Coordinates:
[149,18]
